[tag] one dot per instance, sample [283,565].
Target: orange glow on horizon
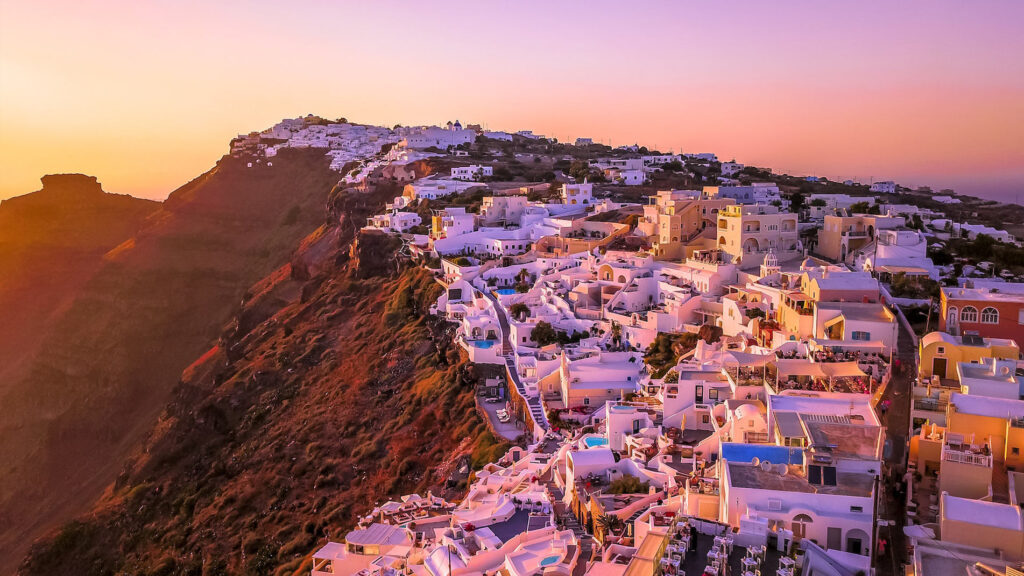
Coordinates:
[926,96]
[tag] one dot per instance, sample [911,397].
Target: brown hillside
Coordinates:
[51,242]
[329,391]
[110,357]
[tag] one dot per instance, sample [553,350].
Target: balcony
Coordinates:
[930,404]
[966,455]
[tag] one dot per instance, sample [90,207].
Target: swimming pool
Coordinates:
[506,291]
[734,452]
[549,560]
[592,441]
[483,344]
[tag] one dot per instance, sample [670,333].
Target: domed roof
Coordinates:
[771,260]
[807,264]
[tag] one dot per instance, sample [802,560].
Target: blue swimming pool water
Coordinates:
[506,291]
[591,441]
[483,344]
[549,560]
[733,452]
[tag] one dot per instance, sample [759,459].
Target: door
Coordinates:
[835,538]
[939,367]
[699,394]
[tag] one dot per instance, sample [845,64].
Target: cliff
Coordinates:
[157,291]
[331,389]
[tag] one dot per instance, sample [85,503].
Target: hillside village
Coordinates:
[701,367]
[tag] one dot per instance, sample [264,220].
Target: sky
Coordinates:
[146,95]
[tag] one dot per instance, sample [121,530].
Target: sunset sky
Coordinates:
[146,95]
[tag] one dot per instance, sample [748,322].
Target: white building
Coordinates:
[578,193]
[394,221]
[472,172]
[885,187]
[437,137]
[731,168]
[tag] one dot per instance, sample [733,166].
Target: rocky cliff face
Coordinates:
[112,349]
[330,389]
[51,242]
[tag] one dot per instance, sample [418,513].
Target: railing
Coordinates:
[963,457]
[755,437]
[930,404]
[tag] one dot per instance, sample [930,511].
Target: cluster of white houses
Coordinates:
[697,392]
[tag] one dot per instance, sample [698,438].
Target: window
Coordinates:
[713,393]
[940,350]
[951,315]
[860,335]
[586,401]
[857,509]
[969,314]
[990,316]
[705,419]
[1016,451]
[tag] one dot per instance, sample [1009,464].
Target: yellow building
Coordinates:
[938,352]
[747,233]
[672,218]
[987,525]
[841,236]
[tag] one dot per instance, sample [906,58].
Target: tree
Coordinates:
[616,334]
[579,170]
[543,334]
[755,313]
[673,166]
[520,311]
[628,485]
[609,523]
[818,203]
[859,208]
[796,202]
[710,333]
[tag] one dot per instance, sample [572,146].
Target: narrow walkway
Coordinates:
[897,422]
[569,522]
[534,403]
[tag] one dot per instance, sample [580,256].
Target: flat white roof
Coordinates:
[985,406]
[1006,516]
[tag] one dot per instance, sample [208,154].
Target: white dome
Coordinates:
[771,260]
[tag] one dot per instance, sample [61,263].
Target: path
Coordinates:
[897,421]
[508,351]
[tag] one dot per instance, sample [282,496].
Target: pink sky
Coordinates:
[146,95]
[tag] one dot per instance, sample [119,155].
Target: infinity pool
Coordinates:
[483,344]
[735,452]
[549,560]
[592,441]
[506,291]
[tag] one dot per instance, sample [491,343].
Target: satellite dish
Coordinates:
[756,461]
[781,469]
[766,466]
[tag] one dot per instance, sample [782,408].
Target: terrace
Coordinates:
[701,547]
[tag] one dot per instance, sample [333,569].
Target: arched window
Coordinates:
[969,314]
[952,316]
[990,316]
[800,522]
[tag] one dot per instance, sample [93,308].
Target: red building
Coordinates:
[991,309]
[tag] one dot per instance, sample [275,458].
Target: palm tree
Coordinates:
[609,524]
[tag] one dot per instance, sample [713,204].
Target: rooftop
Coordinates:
[746,475]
